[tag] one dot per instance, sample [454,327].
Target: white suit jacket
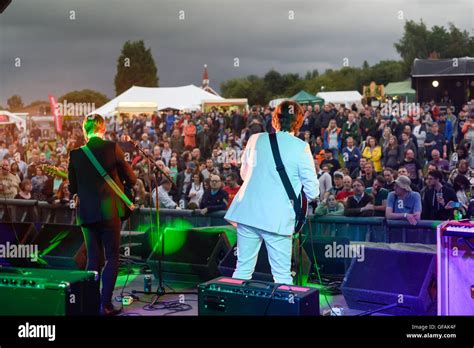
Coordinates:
[262,201]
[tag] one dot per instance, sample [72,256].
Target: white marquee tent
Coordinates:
[184,97]
[339,97]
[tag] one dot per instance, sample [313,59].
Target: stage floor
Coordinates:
[136,282]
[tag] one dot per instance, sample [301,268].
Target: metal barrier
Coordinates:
[368,229]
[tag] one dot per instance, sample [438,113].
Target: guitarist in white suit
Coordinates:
[262,210]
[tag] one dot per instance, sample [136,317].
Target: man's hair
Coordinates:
[436,174]
[289,116]
[380,179]
[359,181]
[233,176]
[388,169]
[93,124]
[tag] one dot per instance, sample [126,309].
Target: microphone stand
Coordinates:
[160,291]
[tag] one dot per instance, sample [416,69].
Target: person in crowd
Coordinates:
[62,195]
[439,200]
[332,138]
[164,197]
[39,183]
[195,192]
[462,186]
[351,155]
[210,169]
[441,164]
[350,129]
[380,195]
[346,189]
[462,169]
[176,141]
[368,126]
[419,132]
[403,203]
[388,174]
[391,154]
[190,135]
[338,185]
[368,176]
[361,203]
[406,144]
[184,180]
[330,206]
[435,141]
[446,128]
[330,161]
[142,198]
[413,168]
[325,180]
[461,153]
[215,198]
[231,187]
[25,190]
[373,154]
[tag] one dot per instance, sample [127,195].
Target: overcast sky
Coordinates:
[59,55]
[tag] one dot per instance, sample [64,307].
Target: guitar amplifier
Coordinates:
[233,297]
[28,291]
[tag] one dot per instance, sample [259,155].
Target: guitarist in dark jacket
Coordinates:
[99,208]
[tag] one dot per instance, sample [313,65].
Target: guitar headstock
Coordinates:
[54,171]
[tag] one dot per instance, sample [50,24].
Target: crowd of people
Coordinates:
[402,166]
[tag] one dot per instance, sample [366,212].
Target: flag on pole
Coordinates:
[58,123]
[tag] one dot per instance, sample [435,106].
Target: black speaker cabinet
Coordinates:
[16,243]
[384,277]
[189,254]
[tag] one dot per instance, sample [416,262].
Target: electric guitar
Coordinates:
[300,219]
[56,171]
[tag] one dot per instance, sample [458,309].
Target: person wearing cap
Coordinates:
[403,203]
[439,201]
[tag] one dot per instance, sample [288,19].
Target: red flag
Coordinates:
[58,123]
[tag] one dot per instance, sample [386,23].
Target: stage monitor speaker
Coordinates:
[28,291]
[190,255]
[263,270]
[403,279]
[325,251]
[18,236]
[61,246]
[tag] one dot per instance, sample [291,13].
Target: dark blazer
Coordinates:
[97,201]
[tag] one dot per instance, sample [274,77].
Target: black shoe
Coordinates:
[109,310]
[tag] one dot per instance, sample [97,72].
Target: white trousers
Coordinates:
[249,241]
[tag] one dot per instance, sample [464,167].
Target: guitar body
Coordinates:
[131,196]
[300,219]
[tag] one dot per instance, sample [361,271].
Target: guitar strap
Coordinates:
[113,185]
[296,201]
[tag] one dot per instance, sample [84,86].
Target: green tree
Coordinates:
[135,66]
[418,42]
[14,103]
[84,96]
